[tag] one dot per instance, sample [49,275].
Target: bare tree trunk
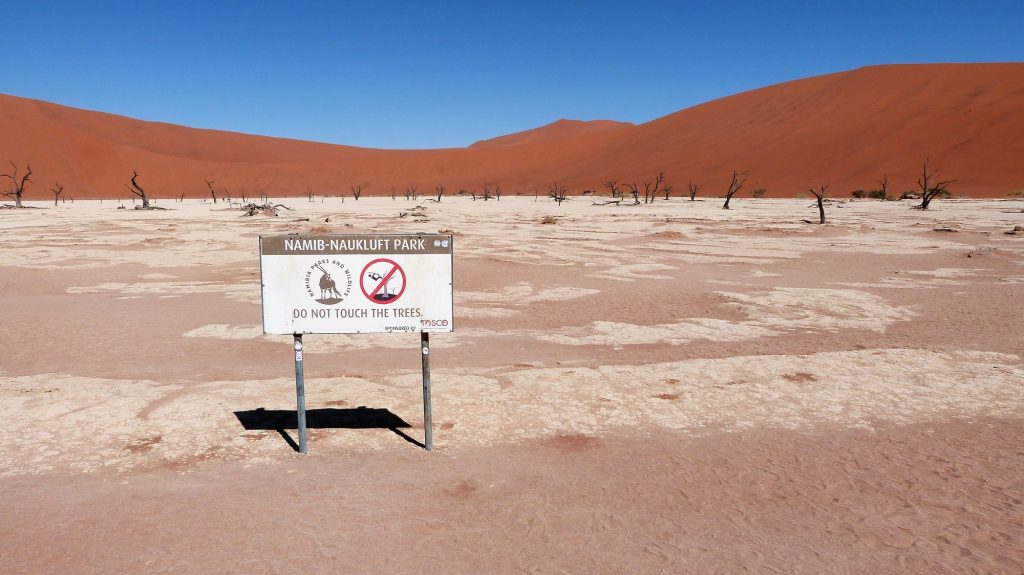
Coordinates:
[138,191]
[694,189]
[19,185]
[649,192]
[734,186]
[556,192]
[613,185]
[819,195]
[634,191]
[209,184]
[56,189]
[929,191]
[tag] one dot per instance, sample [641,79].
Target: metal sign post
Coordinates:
[300,393]
[428,424]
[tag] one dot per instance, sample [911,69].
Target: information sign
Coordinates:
[356,283]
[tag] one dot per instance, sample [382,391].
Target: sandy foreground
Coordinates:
[670,388]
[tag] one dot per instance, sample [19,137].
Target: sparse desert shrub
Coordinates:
[1016,194]
[549,220]
[759,193]
[878,195]
[858,194]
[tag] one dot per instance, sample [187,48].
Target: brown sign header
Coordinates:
[356,244]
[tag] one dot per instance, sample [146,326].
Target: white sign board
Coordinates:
[356,283]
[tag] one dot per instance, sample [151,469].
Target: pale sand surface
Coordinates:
[671,388]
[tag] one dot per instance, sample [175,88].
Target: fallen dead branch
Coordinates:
[267,209]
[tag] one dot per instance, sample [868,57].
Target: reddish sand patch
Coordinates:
[929,498]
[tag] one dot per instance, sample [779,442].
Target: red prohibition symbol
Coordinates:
[376,277]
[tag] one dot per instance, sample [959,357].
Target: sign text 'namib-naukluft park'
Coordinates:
[356,283]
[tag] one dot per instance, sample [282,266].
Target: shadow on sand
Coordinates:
[281,420]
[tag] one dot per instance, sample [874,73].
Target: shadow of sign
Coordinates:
[281,420]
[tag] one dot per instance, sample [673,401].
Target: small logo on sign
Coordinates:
[328,282]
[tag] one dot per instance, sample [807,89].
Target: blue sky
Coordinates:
[444,74]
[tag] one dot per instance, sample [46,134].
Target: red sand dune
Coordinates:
[559,130]
[846,130]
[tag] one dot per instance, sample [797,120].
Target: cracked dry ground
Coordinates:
[666,388]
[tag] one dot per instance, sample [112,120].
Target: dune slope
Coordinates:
[846,130]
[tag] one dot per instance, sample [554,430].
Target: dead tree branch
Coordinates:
[737,182]
[819,195]
[136,189]
[556,192]
[19,185]
[209,184]
[693,189]
[931,187]
[613,185]
[634,191]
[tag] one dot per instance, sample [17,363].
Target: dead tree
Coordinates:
[694,189]
[649,192]
[357,191]
[488,194]
[734,186]
[213,194]
[819,195]
[634,191]
[883,187]
[410,192]
[667,189]
[19,185]
[931,187]
[439,189]
[497,193]
[613,185]
[309,194]
[556,192]
[57,190]
[137,190]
